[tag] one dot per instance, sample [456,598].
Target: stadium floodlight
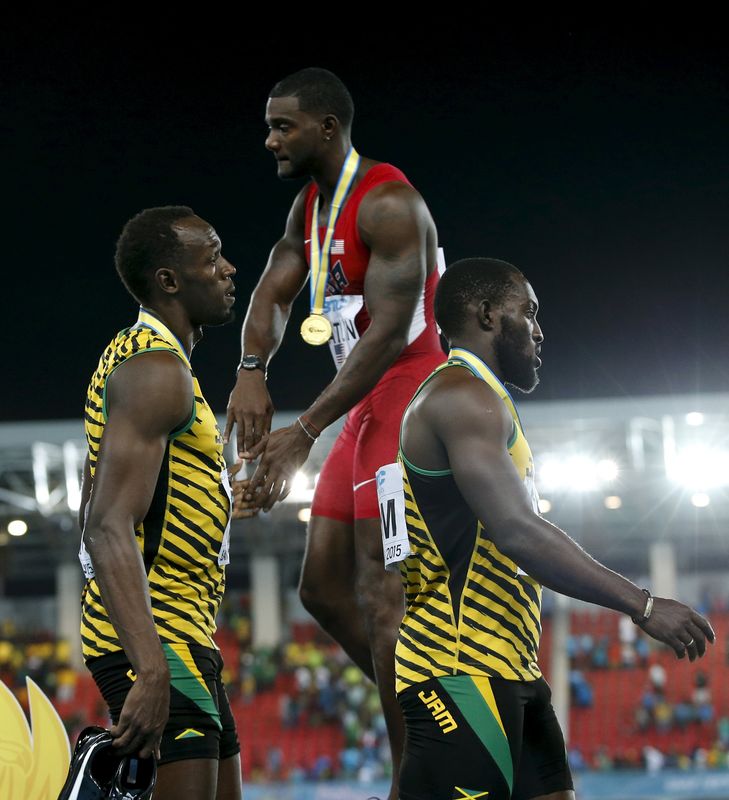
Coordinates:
[545,506]
[607,470]
[73,464]
[613,502]
[577,473]
[694,419]
[700,499]
[302,489]
[17,527]
[304,514]
[699,468]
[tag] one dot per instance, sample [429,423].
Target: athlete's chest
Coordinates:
[203,440]
[348,256]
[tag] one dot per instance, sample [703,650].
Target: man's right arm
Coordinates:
[250,408]
[147,397]
[473,426]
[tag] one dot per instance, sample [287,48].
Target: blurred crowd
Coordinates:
[310,684]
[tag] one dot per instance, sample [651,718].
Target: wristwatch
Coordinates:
[250,363]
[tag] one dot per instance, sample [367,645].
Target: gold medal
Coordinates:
[316,329]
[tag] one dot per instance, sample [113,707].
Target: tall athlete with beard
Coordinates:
[364,240]
[478,713]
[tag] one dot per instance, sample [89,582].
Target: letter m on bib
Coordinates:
[389,518]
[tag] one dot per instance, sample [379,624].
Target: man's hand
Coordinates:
[283,454]
[680,627]
[144,716]
[250,409]
[244,503]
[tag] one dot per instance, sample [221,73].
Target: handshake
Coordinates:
[280,455]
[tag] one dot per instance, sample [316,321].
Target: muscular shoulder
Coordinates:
[391,213]
[453,410]
[153,388]
[457,399]
[388,199]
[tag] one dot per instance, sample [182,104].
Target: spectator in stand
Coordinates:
[580,690]
[701,699]
[663,715]
[653,759]
[602,760]
[657,675]
[722,731]
[600,653]
[642,650]
[683,714]
[627,634]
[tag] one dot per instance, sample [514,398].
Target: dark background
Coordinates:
[595,160]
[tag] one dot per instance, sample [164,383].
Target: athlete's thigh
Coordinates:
[461,742]
[543,769]
[333,492]
[378,438]
[329,554]
[230,785]
[193,779]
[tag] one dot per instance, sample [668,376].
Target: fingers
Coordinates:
[235,468]
[696,646]
[678,646]
[246,512]
[255,429]
[129,739]
[229,421]
[704,625]
[267,487]
[252,453]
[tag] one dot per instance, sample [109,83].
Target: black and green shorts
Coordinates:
[477,737]
[200,724]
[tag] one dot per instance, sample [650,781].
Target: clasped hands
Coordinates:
[280,455]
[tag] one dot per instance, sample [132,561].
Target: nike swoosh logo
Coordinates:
[360,485]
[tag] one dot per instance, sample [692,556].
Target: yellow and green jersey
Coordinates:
[184,536]
[470,610]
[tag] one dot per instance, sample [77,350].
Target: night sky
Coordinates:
[598,163]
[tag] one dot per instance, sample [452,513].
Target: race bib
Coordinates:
[224,554]
[83,555]
[391,499]
[341,310]
[85,559]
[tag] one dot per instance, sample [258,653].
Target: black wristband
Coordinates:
[249,363]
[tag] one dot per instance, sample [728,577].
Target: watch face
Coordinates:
[251,362]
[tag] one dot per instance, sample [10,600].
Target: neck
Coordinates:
[326,175]
[178,322]
[485,350]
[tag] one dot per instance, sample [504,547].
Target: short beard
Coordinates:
[517,369]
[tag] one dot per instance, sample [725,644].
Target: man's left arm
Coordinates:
[395,224]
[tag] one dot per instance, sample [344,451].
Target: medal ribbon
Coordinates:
[481,370]
[319,257]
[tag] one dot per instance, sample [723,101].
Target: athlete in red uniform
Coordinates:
[377,296]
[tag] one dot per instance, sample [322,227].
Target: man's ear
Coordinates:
[486,315]
[166,279]
[329,126]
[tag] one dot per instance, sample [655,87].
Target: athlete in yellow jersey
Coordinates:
[478,714]
[158,503]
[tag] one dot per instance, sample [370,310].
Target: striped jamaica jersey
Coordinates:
[184,536]
[469,609]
